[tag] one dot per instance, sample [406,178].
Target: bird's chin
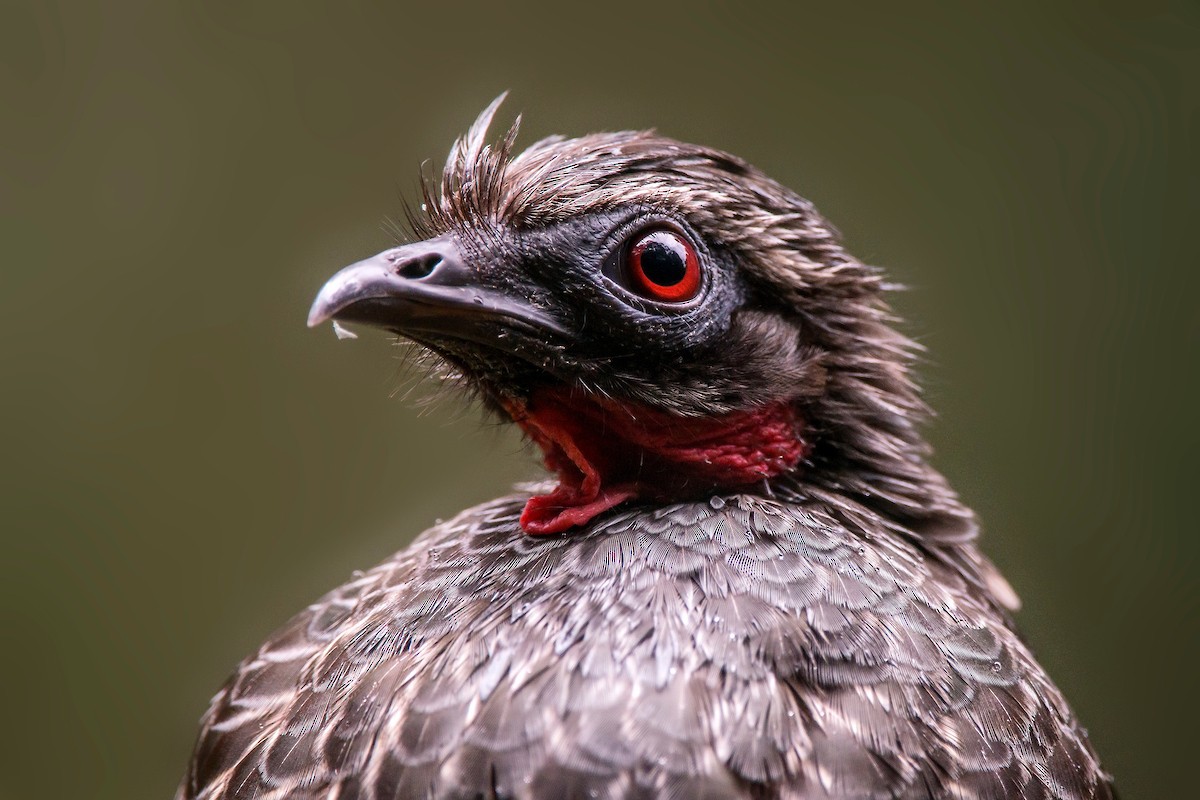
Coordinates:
[496,375]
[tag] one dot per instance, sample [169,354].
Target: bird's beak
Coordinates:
[426,287]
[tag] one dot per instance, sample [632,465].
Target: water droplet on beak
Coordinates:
[343,333]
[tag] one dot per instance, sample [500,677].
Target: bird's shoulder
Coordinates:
[696,649]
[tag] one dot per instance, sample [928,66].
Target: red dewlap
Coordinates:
[605,452]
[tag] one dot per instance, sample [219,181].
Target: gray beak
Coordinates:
[425,287]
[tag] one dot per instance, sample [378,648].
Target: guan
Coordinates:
[746,580]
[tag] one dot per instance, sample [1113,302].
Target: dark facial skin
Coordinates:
[579,321]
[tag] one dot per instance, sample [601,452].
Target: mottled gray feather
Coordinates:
[739,648]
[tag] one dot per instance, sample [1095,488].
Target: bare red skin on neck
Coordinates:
[606,452]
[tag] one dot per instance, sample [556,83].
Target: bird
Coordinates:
[742,577]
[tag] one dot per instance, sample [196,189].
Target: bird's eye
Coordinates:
[662,265]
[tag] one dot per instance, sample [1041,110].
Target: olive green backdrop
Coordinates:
[184,464]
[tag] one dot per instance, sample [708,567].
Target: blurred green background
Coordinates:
[184,464]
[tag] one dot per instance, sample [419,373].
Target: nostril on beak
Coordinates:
[418,268]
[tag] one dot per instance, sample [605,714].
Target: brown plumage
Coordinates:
[813,621]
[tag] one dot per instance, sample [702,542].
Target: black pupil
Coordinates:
[663,260]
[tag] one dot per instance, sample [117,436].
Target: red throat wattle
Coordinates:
[606,452]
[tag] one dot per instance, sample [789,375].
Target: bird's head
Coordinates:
[663,319]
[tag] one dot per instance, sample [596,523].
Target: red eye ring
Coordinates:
[663,266]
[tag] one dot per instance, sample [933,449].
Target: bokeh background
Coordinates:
[183,464]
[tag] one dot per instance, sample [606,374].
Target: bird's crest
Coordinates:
[472,182]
